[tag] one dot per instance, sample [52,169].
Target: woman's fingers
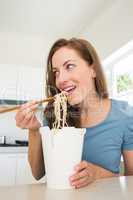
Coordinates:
[82,165]
[81,182]
[79,175]
[28,106]
[81,179]
[83,176]
[25,117]
[28,118]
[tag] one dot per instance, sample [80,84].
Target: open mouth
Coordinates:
[69,90]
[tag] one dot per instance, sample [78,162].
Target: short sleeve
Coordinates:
[128,135]
[45,122]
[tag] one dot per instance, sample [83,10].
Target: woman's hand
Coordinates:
[25,117]
[86,173]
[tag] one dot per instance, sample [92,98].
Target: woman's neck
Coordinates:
[91,106]
[93,112]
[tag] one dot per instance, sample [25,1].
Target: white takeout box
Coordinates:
[62,151]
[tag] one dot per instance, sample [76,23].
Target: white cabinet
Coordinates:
[15,169]
[21,82]
[7,169]
[8,80]
[23,173]
[31,83]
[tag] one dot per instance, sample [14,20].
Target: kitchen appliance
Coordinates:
[2,139]
[21,142]
[7,142]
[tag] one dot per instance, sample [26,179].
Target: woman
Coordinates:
[73,66]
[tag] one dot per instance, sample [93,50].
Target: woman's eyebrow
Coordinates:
[67,62]
[54,68]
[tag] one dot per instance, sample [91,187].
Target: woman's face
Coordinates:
[73,75]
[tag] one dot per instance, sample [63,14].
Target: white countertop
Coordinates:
[105,189]
[14,149]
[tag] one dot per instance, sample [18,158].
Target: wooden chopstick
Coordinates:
[4,110]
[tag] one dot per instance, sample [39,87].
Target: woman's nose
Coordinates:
[62,77]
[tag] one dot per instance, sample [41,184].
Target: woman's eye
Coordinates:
[56,73]
[70,66]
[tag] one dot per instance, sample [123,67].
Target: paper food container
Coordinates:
[62,151]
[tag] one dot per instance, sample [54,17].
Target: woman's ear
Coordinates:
[93,72]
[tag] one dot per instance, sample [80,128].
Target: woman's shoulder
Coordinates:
[122,111]
[123,108]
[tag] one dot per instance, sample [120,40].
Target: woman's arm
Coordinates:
[26,118]
[101,172]
[35,154]
[128,162]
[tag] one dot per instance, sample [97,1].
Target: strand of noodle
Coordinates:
[57,112]
[60,104]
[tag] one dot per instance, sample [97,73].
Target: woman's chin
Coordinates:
[74,101]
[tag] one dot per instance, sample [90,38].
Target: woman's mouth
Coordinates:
[69,90]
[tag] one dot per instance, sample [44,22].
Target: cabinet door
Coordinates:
[21,82]
[8,81]
[23,174]
[31,83]
[7,169]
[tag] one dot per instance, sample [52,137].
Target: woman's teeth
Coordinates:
[70,89]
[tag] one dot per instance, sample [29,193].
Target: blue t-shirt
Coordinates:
[105,142]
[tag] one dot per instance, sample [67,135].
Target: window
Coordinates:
[119,72]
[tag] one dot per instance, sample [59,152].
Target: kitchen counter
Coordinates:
[14,149]
[104,189]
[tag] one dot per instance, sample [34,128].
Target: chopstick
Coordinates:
[4,110]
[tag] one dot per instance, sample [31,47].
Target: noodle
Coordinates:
[60,105]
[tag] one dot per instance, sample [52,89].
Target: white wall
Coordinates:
[24,49]
[112,29]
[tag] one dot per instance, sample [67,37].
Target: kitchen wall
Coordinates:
[23,49]
[112,29]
